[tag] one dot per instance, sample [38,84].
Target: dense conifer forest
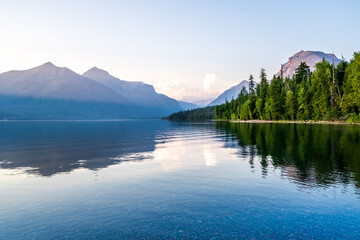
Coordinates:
[329,93]
[198,114]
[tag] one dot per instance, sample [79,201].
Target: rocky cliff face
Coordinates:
[310,57]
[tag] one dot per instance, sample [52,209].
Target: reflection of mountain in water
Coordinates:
[47,148]
[306,154]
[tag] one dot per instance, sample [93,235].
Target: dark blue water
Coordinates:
[162,180]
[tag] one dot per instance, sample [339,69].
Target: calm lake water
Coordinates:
[162,180]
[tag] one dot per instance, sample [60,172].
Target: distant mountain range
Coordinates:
[187,105]
[310,57]
[203,102]
[135,93]
[231,93]
[51,92]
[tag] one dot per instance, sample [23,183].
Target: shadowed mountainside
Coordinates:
[51,92]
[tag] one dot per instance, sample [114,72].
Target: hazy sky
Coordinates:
[187,49]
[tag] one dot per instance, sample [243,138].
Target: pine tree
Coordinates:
[305,96]
[301,73]
[276,98]
[263,88]
[303,100]
[251,86]
[291,104]
[302,79]
[350,103]
[320,84]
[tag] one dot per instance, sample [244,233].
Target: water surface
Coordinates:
[157,179]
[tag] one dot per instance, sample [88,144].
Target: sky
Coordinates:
[189,50]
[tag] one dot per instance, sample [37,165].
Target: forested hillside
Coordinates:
[328,93]
[199,114]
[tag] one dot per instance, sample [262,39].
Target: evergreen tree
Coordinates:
[350,103]
[291,104]
[340,75]
[276,98]
[302,80]
[243,96]
[305,96]
[252,96]
[262,97]
[303,99]
[251,86]
[245,111]
[320,84]
[301,73]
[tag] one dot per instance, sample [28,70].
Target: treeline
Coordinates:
[328,93]
[199,114]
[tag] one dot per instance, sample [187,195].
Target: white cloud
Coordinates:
[208,80]
[166,85]
[176,85]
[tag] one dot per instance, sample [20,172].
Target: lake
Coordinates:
[154,179]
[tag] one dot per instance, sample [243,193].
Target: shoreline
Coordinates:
[291,122]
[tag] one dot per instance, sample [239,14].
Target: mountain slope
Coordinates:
[187,105]
[310,57]
[50,92]
[136,93]
[231,93]
[49,81]
[203,102]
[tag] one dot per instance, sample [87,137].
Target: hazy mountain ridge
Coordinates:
[203,102]
[49,81]
[310,57]
[187,105]
[137,93]
[231,93]
[51,92]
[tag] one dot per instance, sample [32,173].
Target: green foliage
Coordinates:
[340,75]
[304,102]
[320,83]
[297,145]
[245,111]
[328,93]
[276,98]
[251,86]
[263,92]
[199,114]
[290,111]
[353,117]
[258,107]
[301,73]
[351,99]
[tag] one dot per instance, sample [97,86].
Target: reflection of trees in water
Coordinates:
[252,155]
[321,154]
